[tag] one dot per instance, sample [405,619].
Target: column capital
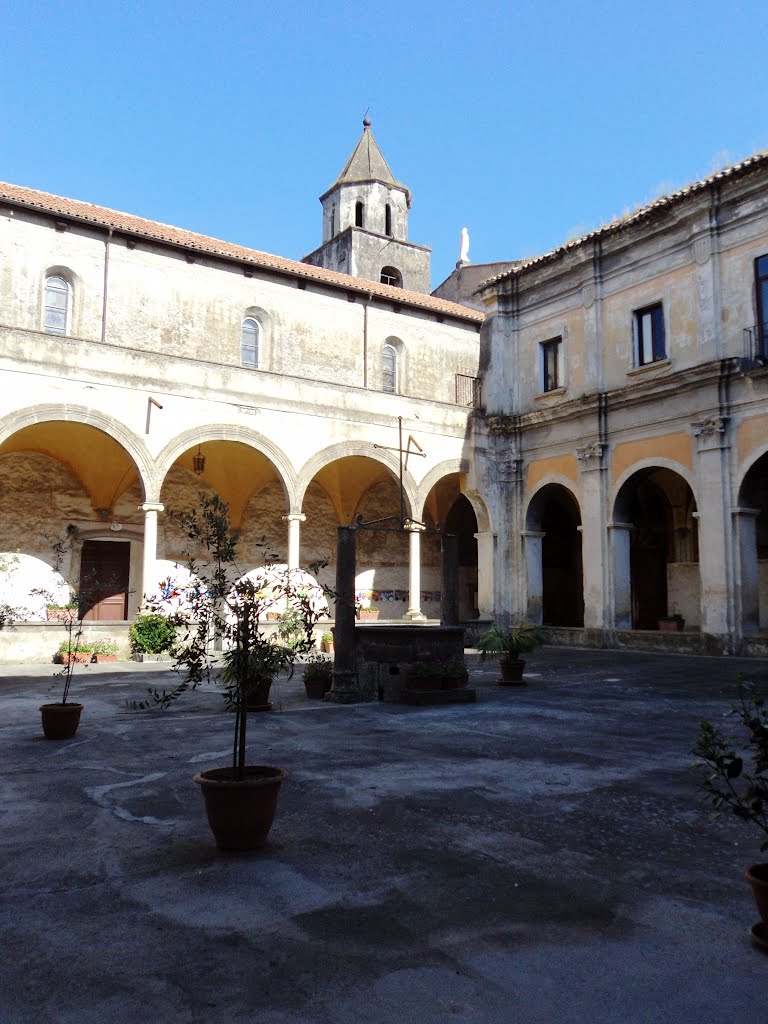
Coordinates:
[411,526]
[294,517]
[533,533]
[152,506]
[710,433]
[591,456]
[749,513]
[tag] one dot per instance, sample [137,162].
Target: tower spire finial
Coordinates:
[366,119]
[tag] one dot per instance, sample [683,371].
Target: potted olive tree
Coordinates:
[735,778]
[507,644]
[222,603]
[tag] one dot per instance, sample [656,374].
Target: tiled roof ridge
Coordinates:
[131,224]
[624,221]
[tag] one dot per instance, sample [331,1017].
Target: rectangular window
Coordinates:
[648,325]
[761,289]
[552,364]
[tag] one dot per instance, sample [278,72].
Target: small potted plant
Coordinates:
[364,611]
[507,644]
[104,649]
[60,612]
[326,642]
[150,635]
[671,623]
[74,651]
[240,798]
[735,779]
[318,676]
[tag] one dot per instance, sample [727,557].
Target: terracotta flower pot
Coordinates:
[241,813]
[317,688]
[60,721]
[757,876]
[102,659]
[367,614]
[511,672]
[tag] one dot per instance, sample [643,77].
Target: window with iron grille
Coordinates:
[648,326]
[249,343]
[467,390]
[552,364]
[56,305]
[389,369]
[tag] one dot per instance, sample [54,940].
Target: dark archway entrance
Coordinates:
[462,521]
[553,522]
[659,507]
[752,526]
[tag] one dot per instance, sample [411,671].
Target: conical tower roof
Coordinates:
[367,163]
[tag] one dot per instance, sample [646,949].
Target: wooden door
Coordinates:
[104,569]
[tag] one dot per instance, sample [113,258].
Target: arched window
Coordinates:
[389,369]
[391,276]
[359,210]
[387,219]
[249,343]
[56,305]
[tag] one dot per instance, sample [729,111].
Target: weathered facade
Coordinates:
[141,364]
[624,448]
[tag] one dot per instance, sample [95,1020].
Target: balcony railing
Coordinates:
[756,345]
[467,390]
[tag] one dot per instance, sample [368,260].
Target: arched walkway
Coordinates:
[553,558]
[751,521]
[655,540]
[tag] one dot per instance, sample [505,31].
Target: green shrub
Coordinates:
[151,634]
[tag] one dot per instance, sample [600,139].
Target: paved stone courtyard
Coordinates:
[537,857]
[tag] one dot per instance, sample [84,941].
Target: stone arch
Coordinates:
[475,499]
[229,432]
[655,546]
[660,463]
[553,555]
[343,450]
[751,538]
[135,447]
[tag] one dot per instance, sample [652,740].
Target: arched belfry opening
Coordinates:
[655,509]
[554,558]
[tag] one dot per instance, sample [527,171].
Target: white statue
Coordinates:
[464,250]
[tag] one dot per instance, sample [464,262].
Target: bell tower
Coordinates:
[365,223]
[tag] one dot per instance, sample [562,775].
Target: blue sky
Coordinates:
[527,122]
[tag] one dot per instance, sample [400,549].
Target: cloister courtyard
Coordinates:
[539,856]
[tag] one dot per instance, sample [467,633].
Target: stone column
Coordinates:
[748,590]
[715,526]
[414,613]
[534,604]
[593,534]
[345,688]
[148,568]
[449,579]
[486,548]
[621,577]
[294,520]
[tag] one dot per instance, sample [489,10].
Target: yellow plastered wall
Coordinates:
[675,447]
[751,436]
[545,469]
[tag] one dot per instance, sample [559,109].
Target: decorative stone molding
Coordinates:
[702,249]
[711,432]
[591,455]
[502,425]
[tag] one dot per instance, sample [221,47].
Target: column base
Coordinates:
[415,616]
[345,689]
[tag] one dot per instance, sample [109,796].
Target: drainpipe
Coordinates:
[107,240]
[365,339]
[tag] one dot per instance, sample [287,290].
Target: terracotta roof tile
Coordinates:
[155,231]
[754,162]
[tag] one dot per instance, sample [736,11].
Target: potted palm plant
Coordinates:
[240,798]
[735,779]
[507,644]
